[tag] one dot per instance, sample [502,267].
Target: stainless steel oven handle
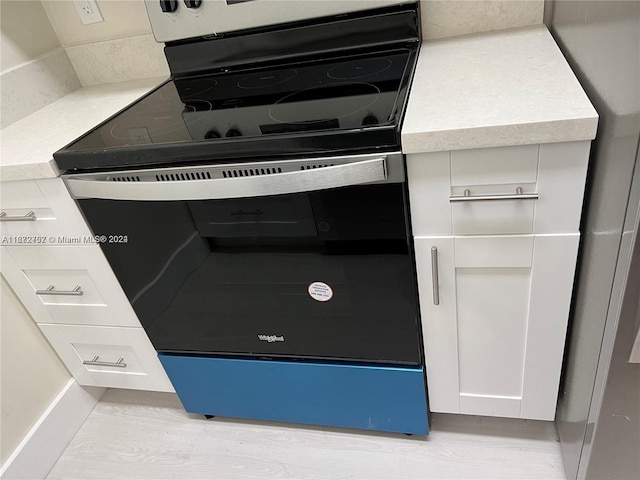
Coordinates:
[356,173]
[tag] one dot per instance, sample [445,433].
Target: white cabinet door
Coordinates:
[439,320]
[494,325]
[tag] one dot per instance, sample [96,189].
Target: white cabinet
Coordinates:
[68,287]
[38,274]
[557,178]
[108,356]
[494,341]
[495,273]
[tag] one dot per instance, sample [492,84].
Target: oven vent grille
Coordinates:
[250,172]
[315,165]
[126,178]
[178,176]
[221,172]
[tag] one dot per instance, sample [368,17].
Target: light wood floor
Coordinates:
[142,435]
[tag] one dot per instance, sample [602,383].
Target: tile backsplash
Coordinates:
[448,18]
[117,60]
[35,84]
[122,47]
[108,53]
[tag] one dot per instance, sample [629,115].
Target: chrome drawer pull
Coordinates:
[28,217]
[50,291]
[434,276]
[467,197]
[120,363]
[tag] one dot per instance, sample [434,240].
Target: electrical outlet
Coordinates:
[88,11]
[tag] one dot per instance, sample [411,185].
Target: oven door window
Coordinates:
[324,275]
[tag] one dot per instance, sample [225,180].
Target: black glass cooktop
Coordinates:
[301,107]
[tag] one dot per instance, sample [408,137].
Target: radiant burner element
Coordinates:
[143,127]
[266,79]
[359,68]
[337,100]
[195,90]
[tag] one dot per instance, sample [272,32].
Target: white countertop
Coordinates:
[28,144]
[510,87]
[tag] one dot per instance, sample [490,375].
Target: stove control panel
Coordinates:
[181,19]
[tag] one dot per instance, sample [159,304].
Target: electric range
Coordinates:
[260,195]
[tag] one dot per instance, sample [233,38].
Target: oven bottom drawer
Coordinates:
[379,398]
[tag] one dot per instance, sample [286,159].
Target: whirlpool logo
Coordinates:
[271,338]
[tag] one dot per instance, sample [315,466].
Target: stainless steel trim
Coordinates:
[467,197]
[51,291]
[28,217]
[120,363]
[434,276]
[238,180]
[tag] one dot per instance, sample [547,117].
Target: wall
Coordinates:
[20,44]
[440,18]
[31,373]
[447,18]
[599,407]
[122,47]
[35,70]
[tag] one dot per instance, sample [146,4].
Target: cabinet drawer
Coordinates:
[39,208]
[493,210]
[67,285]
[490,191]
[21,226]
[530,189]
[22,194]
[25,213]
[108,356]
[70,296]
[493,190]
[494,166]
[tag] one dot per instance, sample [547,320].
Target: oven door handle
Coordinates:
[355,173]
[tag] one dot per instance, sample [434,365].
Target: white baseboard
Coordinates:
[42,446]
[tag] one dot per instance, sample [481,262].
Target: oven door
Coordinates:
[307,259]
